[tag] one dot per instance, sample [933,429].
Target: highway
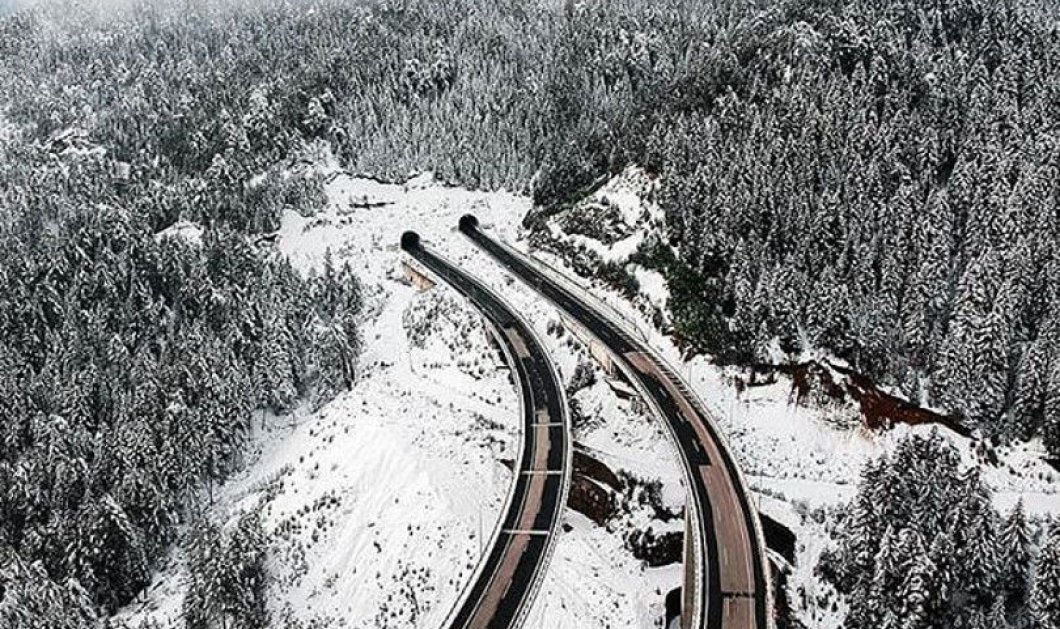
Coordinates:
[732,590]
[506,579]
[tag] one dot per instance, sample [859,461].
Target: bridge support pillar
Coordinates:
[597,350]
[416,277]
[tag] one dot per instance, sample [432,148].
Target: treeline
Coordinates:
[923,546]
[487,93]
[880,180]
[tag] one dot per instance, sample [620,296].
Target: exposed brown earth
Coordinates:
[587,465]
[879,409]
[589,498]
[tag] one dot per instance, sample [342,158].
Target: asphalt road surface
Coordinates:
[506,580]
[733,591]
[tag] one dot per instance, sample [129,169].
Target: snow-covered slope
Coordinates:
[386,494]
[798,459]
[378,504]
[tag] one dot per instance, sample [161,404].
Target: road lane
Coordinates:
[506,579]
[733,592]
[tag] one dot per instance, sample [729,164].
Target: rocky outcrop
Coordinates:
[594,488]
[656,549]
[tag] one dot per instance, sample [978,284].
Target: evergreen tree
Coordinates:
[203,604]
[883,562]
[226,576]
[1045,596]
[1015,549]
[1051,420]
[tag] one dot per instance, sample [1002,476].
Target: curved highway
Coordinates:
[507,577]
[729,579]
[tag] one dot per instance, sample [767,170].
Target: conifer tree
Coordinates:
[1015,550]
[1045,595]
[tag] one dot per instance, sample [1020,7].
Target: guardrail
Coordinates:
[624,320]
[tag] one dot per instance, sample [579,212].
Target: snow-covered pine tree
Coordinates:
[977,551]
[203,603]
[918,596]
[1015,552]
[1027,411]
[31,600]
[996,618]
[875,566]
[1051,419]
[1045,595]
[275,377]
[243,565]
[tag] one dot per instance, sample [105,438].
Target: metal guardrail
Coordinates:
[547,269]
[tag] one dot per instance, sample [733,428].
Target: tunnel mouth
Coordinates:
[468,222]
[410,240]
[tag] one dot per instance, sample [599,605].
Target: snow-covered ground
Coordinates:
[379,503]
[797,459]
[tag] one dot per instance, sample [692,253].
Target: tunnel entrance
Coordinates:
[673,609]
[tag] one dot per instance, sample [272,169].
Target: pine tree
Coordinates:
[275,374]
[918,594]
[1045,595]
[316,119]
[1015,550]
[883,561]
[977,555]
[245,578]
[31,600]
[996,619]
[1028,398]
[203,603]
[1051,421]
[942,554]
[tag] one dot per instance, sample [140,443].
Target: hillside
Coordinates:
[222,404]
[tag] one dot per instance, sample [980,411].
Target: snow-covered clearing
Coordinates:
[186,230]
[378,504]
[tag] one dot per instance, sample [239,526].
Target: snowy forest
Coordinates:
[881,181]
[923,546]
[876,180]
[134,361]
